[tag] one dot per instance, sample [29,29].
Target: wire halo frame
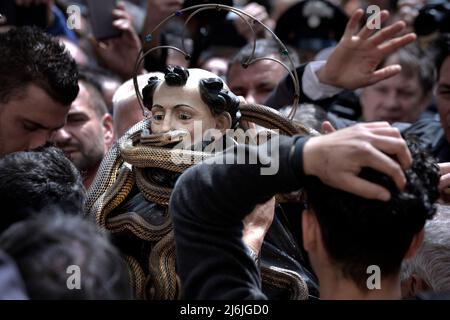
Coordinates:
[250,60]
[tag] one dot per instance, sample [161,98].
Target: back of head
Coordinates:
[66,257]
[358,232]
[29,56]
[96,100]
[32,180]
[432,261]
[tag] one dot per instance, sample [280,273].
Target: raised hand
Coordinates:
[353,64]
[119,54]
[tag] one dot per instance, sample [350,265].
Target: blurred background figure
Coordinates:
[310,26]
[51,248]
[126,109]
[429,269]
[31,181]
[88,133]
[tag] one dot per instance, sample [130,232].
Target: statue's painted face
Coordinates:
[180,107]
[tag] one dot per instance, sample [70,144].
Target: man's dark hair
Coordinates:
[212,92]
[29,56]
[32,180]
[264,48]
[96,100]
[358,232]
[48,249]
[442,51]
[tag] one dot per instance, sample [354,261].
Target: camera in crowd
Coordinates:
[434,17]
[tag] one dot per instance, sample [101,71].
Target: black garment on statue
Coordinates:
[208,205]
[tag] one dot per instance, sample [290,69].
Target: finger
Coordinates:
[391,132]
[174,6]
[367,30]
[121,24]
[174,3]
[120,5]
[327,127]
[353,23]
[385,73]
[375,124]
[364,188]
[387,32]
[120,14]
[381,162]
[394,146]
[392,45]
[98,45]
[93,42]
[242,100]
[444,167]
[444,182]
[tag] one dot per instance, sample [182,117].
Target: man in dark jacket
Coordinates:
[435,133]
[210,200]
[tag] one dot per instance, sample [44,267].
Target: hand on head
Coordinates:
[338,157]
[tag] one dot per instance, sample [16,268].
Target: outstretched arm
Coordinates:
[210,200]
[352,65]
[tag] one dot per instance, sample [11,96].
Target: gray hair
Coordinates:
[432,261]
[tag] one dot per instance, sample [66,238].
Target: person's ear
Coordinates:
[223,121]
[413,286]
[415,244]
[108,130]
[309,225]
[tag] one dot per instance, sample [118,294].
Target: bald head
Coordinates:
[126,109]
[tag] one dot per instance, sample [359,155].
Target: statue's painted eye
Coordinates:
[158,116]
[184,116]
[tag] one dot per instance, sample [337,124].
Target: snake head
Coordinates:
[174,135]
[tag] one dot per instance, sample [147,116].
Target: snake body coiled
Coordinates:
[127,199]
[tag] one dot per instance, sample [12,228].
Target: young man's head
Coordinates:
[346,235]
[88,133]
[38,82]
[33,180]
[66,257]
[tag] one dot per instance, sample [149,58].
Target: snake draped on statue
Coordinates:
[130,197]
